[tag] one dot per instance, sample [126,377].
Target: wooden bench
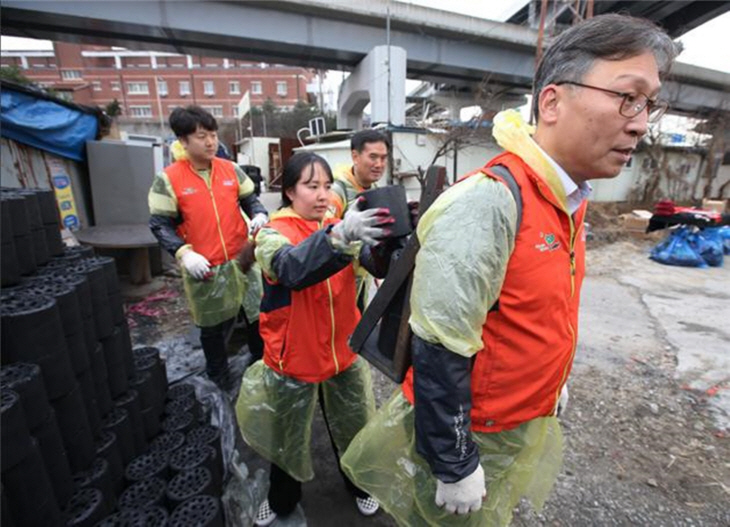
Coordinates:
[136,238]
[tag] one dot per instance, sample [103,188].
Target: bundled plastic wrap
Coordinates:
[243,493]
[708,243]
[218,297]
[724,234]
[275,413]
[382,460]
[675,249]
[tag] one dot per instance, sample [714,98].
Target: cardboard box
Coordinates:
[716,205]
[634,223]
[636,220]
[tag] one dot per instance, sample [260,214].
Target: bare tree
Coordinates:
[716,126]
[660,177]
[473,133]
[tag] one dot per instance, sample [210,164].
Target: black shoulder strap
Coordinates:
[514,188]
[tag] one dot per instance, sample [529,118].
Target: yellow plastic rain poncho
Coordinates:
[523,462]
[275,413]
[217,298]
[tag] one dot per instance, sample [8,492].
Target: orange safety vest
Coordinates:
[212,221]
[530,341]
[305,332]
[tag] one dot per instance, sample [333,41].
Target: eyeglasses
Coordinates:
[633,103]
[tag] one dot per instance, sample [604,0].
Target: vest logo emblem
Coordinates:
[228,183]
[188,191]
[549,244]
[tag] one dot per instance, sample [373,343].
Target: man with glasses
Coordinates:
[496,288]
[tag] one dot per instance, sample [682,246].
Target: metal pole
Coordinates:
[541,32]
[159,107]
[387,39]
[250,129]
[321,95]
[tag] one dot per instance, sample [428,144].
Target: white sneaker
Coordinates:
[265,516]
[367,506]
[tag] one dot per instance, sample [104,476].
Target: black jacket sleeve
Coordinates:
[252,206]
[442,390]
[376,259]
[309,262]
[163,227]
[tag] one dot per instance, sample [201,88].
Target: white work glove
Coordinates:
[465,495]
[363,225]
[562,401]
[258,221]
[195,264]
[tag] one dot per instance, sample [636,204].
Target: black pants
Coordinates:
[285,491]
[254,340]
[213,342]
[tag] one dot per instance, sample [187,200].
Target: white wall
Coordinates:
[621,187]
[413,149]
[257,154]
[336,153]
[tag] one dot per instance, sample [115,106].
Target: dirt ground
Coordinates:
[647,430]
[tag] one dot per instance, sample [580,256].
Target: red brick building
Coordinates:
[149,82]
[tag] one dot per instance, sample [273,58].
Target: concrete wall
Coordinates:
[25,166]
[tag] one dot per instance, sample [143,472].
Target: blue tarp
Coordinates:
[45,124]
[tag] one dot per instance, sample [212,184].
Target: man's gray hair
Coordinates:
[610,37]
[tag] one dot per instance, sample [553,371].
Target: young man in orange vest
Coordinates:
[195,207]
[494,306]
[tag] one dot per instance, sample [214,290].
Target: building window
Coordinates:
[162,88]
[281,88]
[235,110]
[234,88]
[208,88]
[216,111]
[96,85]
[69,75]
[140,111]
[256,88]
[184,88]
[138,88]
[115,86]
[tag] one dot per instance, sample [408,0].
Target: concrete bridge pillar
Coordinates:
[368,83]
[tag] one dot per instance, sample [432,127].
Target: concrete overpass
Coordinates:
[676,17]
[333,34]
